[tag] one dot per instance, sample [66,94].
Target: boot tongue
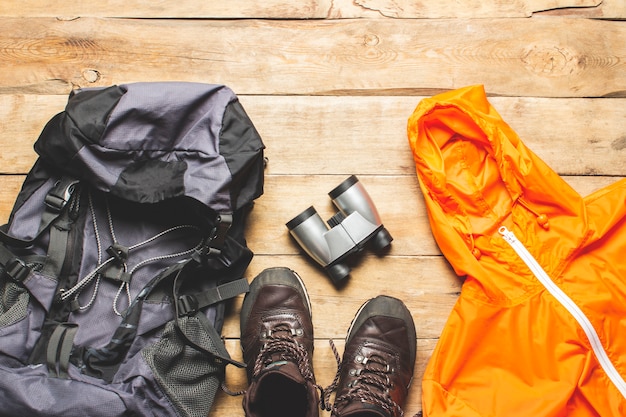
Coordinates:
[286,369]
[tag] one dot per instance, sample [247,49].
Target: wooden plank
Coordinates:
[398,199]
[468,8]
[313,9]
[611,9]
[22,118]
[10,186]
[307,136]
[556,57]
[275,9]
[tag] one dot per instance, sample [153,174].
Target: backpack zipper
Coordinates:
[570,305]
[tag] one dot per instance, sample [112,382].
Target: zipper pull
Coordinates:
[507,234]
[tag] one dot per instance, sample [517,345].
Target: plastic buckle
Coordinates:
[187,305]
[60,195]
[17,270]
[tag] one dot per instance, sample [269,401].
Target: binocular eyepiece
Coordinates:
[355,225]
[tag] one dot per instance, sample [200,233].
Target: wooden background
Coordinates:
[330,85]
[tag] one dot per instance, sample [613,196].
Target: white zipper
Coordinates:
[570,305]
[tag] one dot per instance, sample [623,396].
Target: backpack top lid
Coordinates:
[148,142]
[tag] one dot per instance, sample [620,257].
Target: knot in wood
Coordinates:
[551,61]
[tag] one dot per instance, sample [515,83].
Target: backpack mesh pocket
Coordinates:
[188,377]
[13,303]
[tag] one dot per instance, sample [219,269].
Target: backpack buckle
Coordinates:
[187,305]
[58,197]
[17,270]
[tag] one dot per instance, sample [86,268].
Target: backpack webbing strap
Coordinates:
[56,200]
[190,303]
[60,348]
[57,245]
[236,288]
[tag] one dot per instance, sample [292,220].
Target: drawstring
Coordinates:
[96,274]
[542,219]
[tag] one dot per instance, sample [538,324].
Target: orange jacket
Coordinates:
[540,326]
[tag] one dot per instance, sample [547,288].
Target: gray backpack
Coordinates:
[122,247]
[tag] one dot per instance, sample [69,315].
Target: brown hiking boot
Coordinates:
[377,366]
[277,344]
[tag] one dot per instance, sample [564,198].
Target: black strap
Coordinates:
[224,221]
[215,243]
[55,201]
[189,304]
[60,349]
[180,318]
[14,267]
[57,198]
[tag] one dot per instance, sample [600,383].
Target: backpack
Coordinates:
[122,247]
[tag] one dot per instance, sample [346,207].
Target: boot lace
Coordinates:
[372,384]
[281,346]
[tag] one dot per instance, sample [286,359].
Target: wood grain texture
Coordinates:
[313,9]
[555,57]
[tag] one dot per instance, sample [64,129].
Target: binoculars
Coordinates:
[356,224]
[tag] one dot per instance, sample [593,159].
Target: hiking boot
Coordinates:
[377,366]
[277,344]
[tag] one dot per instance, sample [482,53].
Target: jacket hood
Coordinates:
[477,176]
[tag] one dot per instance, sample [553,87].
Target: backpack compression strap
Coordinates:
[56,200]
[59,204]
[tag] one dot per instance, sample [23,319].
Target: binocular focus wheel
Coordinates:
[338,272]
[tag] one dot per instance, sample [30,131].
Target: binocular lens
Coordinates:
[338,272]
[381,240]
[301,218]
[343,187]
